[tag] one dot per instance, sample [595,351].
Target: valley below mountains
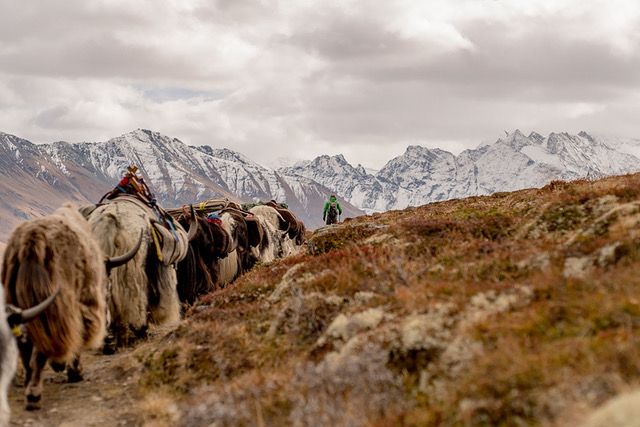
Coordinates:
[37,178]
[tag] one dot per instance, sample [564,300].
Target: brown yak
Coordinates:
[44,255]
[199,272]
[11,317]
[220,252]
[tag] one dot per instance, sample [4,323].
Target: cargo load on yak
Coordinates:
[166,237]
[144,290]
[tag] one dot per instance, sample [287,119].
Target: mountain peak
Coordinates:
[325,161]
[586,136]
[13,142]
[139,133]
[517,140]
[420,150]
[340,159]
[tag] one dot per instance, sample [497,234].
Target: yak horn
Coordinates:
[18,316]
[193,227]
[117,261]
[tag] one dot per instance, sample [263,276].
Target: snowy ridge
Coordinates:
[35,179]
[177,173]
[422,175]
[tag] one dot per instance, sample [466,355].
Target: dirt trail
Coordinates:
[106,397]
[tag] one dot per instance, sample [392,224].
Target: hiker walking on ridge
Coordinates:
[331,211]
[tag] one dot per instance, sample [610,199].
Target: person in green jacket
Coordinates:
[331,210]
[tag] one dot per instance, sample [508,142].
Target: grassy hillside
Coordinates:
[517,308]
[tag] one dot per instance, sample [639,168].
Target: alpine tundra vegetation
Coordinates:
[516,308]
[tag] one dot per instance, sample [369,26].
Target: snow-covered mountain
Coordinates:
[30,183]
[35,179]
[422,175]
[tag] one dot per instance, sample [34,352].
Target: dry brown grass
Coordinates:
[475,318]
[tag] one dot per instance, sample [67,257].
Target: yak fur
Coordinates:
[145,288]
[57,251]
[275,229]
[199,271]
[8,360]
[241,258]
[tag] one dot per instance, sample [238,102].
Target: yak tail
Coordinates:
[57,332]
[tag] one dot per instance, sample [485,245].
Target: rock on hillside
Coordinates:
[514,309]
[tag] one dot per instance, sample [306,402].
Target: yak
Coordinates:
[8,359]
[275,231]
[292,234]
[220,252]
[199,272]
[13,318]
[241,258]
[146,288]
[44,256]
[296,229]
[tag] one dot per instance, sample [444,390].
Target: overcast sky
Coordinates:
[300,78]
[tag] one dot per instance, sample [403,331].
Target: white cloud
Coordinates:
[302,78]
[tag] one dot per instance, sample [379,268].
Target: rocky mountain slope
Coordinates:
[31,184]
[181,174]
[422,175]
[518,308]
[35,179]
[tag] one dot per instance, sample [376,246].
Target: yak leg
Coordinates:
[110,341]
[34,388]
[26,350]
[74,370]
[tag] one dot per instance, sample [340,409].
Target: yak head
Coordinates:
[117,261]
[17,316]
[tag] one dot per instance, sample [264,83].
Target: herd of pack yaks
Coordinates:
[98,275]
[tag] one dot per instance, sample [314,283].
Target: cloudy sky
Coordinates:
[300,78]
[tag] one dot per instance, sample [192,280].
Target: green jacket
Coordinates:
[328,204]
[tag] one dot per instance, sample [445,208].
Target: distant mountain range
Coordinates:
[35,179]
[422,175]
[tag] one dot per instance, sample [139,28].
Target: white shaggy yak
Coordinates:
[12,317]
[275,228]
[145,288]
[229,265]
[289,246]
[8,360]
